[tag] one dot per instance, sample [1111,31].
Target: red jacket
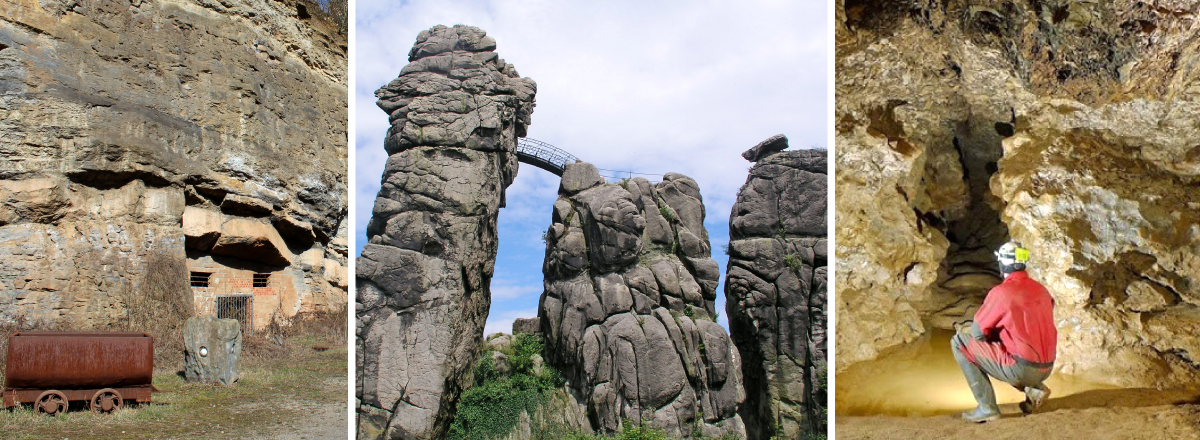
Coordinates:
[1022,312]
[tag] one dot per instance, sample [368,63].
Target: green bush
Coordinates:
[792,261]
[492,407]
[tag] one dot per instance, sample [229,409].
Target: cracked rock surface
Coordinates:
[1068,126]
[775,289]
[132,130]
[628,308]
[456,111]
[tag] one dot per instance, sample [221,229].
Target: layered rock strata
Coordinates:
[456,111]
[775,289]
[628,308]
[1080,116]
[122,122]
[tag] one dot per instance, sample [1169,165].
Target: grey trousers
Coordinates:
[977,358]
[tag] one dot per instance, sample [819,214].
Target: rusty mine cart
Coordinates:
[51,369]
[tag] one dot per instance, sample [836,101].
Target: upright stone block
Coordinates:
[212,347]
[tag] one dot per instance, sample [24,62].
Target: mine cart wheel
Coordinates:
[105,401]
[50,403]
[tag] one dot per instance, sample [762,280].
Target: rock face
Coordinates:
[628,308]
[1068,127]
[775,289]
[172,127]
[423,279]
[211,348]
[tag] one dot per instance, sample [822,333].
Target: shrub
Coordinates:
[492,407]
[792,261]
[667,213]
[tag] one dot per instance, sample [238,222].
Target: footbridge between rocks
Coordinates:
[543,155]
[555,160]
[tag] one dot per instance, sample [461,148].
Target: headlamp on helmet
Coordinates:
[1012,257]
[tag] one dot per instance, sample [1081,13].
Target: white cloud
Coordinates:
[504,291]
[501,322]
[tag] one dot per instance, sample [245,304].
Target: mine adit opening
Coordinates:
[237,307]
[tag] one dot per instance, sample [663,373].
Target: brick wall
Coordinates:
[230,276]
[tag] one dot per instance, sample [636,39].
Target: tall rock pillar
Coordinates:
[628,311]
[776,287]
[456,111]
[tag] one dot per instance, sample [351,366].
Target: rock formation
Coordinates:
[628,308]
[211,131]
[423,279]
[1068,126]
[211,348]
[775,288]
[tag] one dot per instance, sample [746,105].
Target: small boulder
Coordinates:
[211,348]
[527,325]
[772,145]
[578,177]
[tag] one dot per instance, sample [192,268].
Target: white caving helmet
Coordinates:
[1012,257]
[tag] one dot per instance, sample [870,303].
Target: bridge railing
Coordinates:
[555,160]
[547,153]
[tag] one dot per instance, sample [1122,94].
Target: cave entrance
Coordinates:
[970,268]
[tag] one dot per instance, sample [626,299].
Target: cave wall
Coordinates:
[628,310]
[121,117]
[423,278]
[1091,107]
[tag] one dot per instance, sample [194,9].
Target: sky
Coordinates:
[646,87]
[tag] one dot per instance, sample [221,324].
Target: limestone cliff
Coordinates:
[423,279]
[775,288]
[212,131]
[1066,125]
[628,308]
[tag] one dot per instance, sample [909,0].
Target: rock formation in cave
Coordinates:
[141,132]
[776,287]
[423,279]
[628,308]
[1068,126]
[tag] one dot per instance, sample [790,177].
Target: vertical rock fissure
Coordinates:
[969,268]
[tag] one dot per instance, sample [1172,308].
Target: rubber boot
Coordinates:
[981,387]
[1034,397]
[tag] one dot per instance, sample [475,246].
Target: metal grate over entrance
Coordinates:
[239,307]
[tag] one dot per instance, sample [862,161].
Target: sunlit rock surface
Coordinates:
[775,289]
[132,131]
[628,308]
[456,111]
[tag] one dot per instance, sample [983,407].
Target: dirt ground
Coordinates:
[300,394]
[918,391]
